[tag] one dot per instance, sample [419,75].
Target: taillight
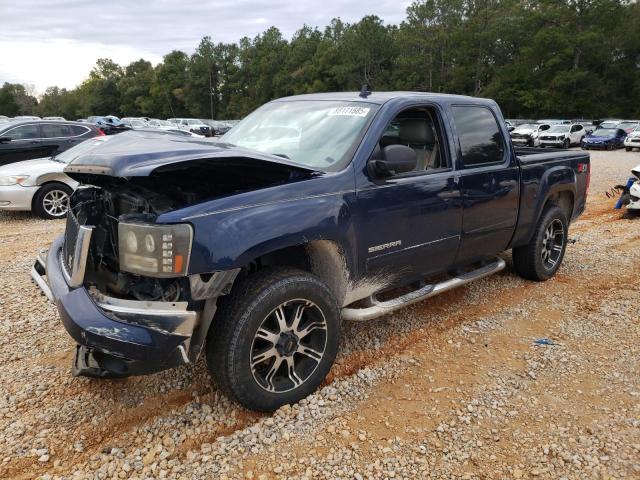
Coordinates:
[582,168]
[100,133]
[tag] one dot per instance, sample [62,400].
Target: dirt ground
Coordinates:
[453,387]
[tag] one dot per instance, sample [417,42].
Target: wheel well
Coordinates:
[48,182]
[564,200]
[323,258]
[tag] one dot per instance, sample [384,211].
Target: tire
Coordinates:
[254,368]
[51,201]
[541,258]
[628,149]
[566,144]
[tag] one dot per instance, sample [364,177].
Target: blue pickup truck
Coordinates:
[313,210]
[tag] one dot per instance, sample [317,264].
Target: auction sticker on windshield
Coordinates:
[349,111]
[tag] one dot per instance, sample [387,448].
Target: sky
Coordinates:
[57,42]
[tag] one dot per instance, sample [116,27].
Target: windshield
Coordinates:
[628,125]
[609,124]
[528,126]
[316,134]
[194,122]
[605,132]
[559,128]
[73,152]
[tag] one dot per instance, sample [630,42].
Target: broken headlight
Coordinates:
[154,250]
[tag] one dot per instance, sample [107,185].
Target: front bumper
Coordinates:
[124,337]
[552,143]
[632,142]
[16,197]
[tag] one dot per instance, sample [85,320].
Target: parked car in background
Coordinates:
[193,125]
[628,125]
[135,123]
[633,140]
[161,124]
[24,140]
[54,118]
[40,185]
[109,125]
[4,119]
[528,134]
[562,135]
[604,138]
[218,127]
[610,123]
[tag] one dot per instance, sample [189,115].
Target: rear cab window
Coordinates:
[480,137]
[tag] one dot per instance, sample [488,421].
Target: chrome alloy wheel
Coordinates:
[56,203]
[288,346]
[552,244]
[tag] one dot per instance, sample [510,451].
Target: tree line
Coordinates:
[569,58]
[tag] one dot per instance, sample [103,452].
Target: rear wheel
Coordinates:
[274,339]
[52,201]
[566,143]
[540,259]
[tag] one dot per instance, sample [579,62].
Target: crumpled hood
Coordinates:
[139,153]
[34,167]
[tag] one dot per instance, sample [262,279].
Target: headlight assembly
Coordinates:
[13,180]
[154,250]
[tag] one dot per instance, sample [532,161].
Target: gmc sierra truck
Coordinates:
[313,210]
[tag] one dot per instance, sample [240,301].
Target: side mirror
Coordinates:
[5,139]
[395,159]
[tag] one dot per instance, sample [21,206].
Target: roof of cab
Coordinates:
[380,98]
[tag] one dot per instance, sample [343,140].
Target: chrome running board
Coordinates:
[378,308]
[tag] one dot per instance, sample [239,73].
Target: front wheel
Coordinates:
[52,201]
[628,149]
[274,338]
[566,143]
[542,256]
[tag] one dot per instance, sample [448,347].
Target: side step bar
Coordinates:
[379,308]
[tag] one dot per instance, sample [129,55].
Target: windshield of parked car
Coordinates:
[604,132]
[194,122]
[79,149]
[317,134]
[559,128]
[527,126]
[609,124]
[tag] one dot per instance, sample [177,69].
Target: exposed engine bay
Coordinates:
[105,201]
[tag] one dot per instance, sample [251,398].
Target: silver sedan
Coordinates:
[41,185]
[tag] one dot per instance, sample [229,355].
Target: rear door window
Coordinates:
[480,137]
[53,130]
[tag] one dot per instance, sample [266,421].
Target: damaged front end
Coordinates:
[121,281]
[121,286]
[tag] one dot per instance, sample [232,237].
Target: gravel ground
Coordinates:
[453,387]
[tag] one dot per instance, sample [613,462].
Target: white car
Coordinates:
[562,135]
[633,140]
[528,134]
[193,125]
[41,185]
[54,118]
